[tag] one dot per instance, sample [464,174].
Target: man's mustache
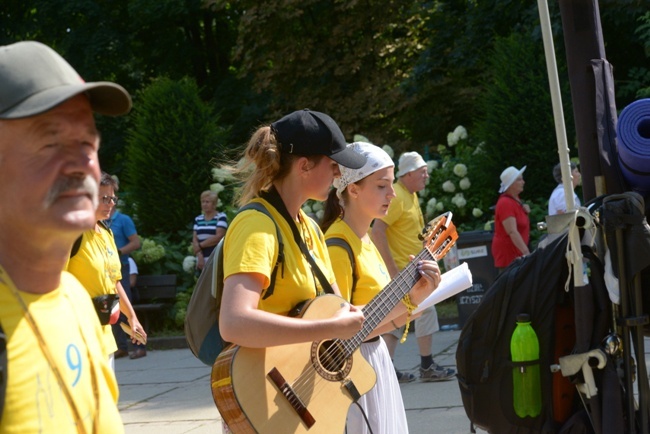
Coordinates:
[86,184]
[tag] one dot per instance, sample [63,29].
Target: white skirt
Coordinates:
[383,404]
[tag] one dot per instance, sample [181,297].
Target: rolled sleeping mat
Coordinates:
[633,131]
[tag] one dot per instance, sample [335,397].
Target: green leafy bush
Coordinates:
[174,139]
[516,124]
[452,183]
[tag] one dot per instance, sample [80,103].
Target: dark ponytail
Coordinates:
[332,211]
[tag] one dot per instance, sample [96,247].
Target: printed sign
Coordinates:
[472,252]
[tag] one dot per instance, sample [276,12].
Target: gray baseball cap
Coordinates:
[34,79]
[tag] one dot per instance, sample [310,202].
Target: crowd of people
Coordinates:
[75,263]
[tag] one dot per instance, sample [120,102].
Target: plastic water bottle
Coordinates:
[526,385]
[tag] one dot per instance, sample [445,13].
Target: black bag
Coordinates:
[535,285]
[107,307]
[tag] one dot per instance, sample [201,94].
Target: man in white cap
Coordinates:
[396,237]
[53,367]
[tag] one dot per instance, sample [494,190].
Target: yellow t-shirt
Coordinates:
[405,223]
[251,246]
[370,267]
[97,266]
[66,319]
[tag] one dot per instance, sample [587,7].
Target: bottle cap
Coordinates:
[523,317]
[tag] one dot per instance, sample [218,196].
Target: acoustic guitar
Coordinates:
[308,387]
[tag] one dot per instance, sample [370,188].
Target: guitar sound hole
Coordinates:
[330,360]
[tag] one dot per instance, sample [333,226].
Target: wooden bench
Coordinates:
[154,294]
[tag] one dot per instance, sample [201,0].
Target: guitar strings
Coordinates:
[341,350]
[350,345]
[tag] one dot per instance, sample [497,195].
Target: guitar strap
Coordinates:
[273,197]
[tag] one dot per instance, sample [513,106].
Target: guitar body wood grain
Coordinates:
[250,402]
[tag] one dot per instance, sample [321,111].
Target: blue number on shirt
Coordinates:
[74,361]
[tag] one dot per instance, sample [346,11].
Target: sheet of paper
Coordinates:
[452,282]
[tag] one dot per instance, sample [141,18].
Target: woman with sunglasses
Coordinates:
[95,262]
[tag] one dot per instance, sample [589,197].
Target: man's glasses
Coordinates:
[109,199]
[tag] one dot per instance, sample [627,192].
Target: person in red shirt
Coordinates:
[511,222]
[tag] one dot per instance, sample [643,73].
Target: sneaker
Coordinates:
[404,377]
[436,372]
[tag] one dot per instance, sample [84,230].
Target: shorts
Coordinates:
[426,324]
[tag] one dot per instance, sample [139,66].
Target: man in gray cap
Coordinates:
[397,236]
[55,374]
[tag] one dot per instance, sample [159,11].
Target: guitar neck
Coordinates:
[387,299]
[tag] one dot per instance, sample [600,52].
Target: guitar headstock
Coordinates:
[439,235]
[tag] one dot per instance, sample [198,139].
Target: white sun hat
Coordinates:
[509,176]
[408,162]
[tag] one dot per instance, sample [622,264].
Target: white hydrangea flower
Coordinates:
[306,208]
[389,151]
[460,132]
[217,188]
[189,264]
[460,170]
[440,206]
[479,149]
[431,166]
[459,200]
[319,214]
[149,253]
[317,206]
[222,175]
[431,206]
[464,184]
[488,225]
[452,139]
[361,138]
[476,212]
[448,186]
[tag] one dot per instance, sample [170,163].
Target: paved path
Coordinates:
[168,392]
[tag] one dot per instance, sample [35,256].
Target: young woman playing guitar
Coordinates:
[272,379]
[360,196]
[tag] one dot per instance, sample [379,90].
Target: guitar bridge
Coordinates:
[293,399]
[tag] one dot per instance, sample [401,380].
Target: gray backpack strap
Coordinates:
[257,206]
[340,242]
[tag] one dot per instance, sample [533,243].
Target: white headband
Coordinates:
[376,159]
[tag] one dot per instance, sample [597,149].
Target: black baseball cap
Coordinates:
[307,132]
[34,79]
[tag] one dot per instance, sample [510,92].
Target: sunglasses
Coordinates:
[109,199]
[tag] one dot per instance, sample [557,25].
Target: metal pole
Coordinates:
[560,132]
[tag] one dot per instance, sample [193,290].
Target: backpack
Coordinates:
[202,316]
[534,284]
[340,242]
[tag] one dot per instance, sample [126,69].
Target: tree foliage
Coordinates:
[171,146]
[402,73]
[516,123]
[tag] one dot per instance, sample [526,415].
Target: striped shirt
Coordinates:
[206,228]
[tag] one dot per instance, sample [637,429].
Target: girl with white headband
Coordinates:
[359,196]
